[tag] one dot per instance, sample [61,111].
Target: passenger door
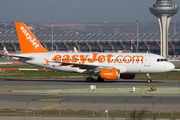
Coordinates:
[147,61]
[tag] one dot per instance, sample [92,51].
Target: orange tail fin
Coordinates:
[27,41]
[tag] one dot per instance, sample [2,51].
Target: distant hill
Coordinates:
[89,28]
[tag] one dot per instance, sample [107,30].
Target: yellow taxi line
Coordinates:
[50,106]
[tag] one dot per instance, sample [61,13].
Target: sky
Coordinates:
[79,11]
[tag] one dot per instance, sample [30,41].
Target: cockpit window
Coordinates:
[160,60]
[165,60]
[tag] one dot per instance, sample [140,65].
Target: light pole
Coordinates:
[131,43]
[159,108]
[137,32]
[152,105]
[126,107]
[172,114]
[33,113]
[107,113]
[26,109]
[93,107]
[52,33]
[59,109]
[174,27]
[5,29]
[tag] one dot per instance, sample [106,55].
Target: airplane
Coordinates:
[75,50]
[106,66]
[7,53]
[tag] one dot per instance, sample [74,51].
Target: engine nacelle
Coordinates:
[110,74]
[127,76]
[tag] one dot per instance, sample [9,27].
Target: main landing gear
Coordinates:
[89,79]
[149,78]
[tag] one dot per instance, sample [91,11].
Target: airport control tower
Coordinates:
[164,10]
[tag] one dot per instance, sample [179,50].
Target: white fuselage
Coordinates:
[135,63]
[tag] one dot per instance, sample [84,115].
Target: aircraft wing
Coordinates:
[84,66]
[92,67]
[20,58]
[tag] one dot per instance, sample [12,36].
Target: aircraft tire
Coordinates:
[149,80]
[89,79]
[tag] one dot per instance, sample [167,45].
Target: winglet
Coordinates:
[27,41]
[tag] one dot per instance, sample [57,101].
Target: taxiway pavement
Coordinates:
[114,101]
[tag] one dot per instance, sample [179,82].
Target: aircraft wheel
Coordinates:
[149,80]
[99,79]
[89,79]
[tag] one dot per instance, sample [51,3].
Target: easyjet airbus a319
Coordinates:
[107,66]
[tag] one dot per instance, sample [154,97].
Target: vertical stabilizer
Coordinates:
[28,42]
[5,51]
[75,50]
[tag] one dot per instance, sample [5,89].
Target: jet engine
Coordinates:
[109,74]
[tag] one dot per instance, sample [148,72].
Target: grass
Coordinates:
[173,75]
[19,66]
[80,113]
[35,74]
[140,90]
[53,74]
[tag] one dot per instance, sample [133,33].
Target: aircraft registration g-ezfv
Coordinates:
[109,66]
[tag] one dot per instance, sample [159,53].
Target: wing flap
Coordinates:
[83,66]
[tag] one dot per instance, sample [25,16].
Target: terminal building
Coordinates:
[99,42]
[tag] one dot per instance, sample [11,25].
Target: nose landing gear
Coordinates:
[149,78]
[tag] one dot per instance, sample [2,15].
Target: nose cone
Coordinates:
[170,66]
[173,66]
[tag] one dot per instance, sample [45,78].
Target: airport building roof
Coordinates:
[94,37]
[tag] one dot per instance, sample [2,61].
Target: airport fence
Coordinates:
[94,110]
